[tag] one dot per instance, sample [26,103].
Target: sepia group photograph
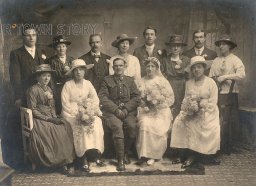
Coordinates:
[127,92]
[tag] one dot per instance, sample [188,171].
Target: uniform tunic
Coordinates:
[119,92]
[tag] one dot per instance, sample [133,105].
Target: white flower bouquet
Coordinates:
[87,112]
[154,98]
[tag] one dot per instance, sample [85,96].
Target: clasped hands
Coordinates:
[56,120]
[121,113]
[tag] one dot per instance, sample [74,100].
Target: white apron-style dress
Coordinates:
[72,94]
[202,132]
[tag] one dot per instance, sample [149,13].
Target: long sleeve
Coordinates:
[213,92]
[15,75]
[134,101]
[239,72]
[68,108]
[170,91]
[107,104]
[92,93]
[32,104]
[137,69]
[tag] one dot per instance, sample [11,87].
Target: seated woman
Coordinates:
[122,43]
[154,114]
[80,106]
[197,127]
[51,142]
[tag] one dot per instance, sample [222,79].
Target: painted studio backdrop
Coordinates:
[77,19]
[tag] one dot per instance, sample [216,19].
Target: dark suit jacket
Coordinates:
[101,69]
[21,68]
[113,93]
[209,54]
[142,54]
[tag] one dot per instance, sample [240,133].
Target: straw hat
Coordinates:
[227,39]
[78,63]
[198,60]
[43,68]
[121,38]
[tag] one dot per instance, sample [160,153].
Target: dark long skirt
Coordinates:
[229,121]
[51,144]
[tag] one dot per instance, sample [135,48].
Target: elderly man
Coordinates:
[119,98]
[101,68]
[227,70]
[149,49]
[22,64]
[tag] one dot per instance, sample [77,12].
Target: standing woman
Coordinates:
[196,129]
[154,114]
[80,106]
[50,142]
[122,43]
[60,63]
[173,68]
[227,70]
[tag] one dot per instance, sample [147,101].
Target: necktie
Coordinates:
[96,57]
[198,52]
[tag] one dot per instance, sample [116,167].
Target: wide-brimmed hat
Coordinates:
[198,60]
[43,68]
[175,39]
[121,38]
[78,63]
[226,38]
[59,40]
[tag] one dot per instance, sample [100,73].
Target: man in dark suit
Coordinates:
[199,37]
[101,68]
[120,98]
[22,64]
[149,49]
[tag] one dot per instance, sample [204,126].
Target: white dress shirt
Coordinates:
[199,51]
[150,49]
[96,54]
[31,51]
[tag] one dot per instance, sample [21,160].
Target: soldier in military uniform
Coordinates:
[120,98]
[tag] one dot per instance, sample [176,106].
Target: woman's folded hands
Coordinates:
[57,121]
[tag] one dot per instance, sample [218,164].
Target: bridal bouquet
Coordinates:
[88,110]
[155,97]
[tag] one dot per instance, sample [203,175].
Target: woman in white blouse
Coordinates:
[122,43]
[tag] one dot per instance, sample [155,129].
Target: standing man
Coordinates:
[199,49]
[148,49]
[22,64]
[120,98]
[227,70]
[101,68]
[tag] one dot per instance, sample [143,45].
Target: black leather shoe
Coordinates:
[126,159]
[100,163]
[120,165]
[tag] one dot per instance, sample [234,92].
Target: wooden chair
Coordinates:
[26,128]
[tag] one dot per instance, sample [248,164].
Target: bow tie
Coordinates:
[96,56]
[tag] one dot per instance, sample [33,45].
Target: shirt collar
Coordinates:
[30,48]
[149,47]
[97,53]
[200,49]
